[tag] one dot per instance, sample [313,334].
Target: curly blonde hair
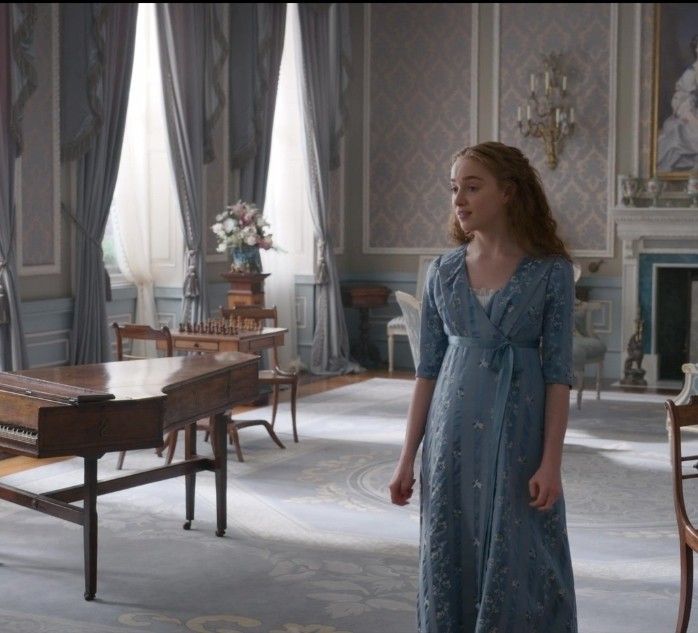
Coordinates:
[529,213]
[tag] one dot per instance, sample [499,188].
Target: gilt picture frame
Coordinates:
[674,122]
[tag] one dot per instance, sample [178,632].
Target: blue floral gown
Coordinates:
[490,563]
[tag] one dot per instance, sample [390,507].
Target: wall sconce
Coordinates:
[548,114]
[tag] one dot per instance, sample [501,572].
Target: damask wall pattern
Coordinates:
[577,188]
[37,188]
[646,79]
[419,83]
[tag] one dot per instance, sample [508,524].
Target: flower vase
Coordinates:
[245,259]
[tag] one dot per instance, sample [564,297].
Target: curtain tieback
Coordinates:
[322,276]
[4,303]
[191,279]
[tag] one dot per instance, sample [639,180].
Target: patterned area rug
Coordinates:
[313,544]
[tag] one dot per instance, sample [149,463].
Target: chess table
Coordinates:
[249,342]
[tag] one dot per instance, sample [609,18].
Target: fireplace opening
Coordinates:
[677,320]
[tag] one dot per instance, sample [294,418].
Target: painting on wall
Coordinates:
[675,112]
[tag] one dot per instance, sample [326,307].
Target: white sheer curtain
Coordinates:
[286,199]
[131,208]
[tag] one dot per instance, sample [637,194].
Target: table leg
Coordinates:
[89,528]
[220,452]
[189,480]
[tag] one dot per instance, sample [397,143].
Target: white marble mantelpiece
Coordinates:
[649,230]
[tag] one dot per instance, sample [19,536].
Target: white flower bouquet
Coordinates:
[241,225]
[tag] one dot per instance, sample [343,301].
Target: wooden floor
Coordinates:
[308,385]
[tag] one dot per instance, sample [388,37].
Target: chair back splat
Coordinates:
[132,331]
[679,417]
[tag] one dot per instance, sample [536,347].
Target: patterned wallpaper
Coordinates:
[419,116]
[577,188]
[37,160]
[646,70]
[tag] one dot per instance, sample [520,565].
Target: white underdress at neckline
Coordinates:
[484,295]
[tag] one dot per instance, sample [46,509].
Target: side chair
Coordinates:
[680,416]
[411,312]
[275,377]
[129,331]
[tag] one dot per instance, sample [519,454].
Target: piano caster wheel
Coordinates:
[187,525]
[89,596]
[220,532]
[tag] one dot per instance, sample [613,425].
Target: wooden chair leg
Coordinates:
[275,405]
[391,351]
[599,371]
[120,461]
[236,441]
[273,435]
[294,390]
[171,443]
[686,595]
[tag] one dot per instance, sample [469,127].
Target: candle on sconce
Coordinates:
[571,115]
[518,114]
[564,83]
[547,80]
[533,83]
[557,116]
[528,112]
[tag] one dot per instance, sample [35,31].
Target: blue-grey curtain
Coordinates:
[325,69]
[215,56]
[109,32]
[256,45]
[17,82]
[186,57]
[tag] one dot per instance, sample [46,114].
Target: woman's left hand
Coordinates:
[545,487]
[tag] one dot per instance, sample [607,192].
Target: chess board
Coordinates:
[234,326]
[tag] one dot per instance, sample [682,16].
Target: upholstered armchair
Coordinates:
[411,312]
[397,325]
[587,347]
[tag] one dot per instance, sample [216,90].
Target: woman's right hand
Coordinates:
[402,484]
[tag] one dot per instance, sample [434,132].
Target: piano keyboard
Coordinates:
[26,436]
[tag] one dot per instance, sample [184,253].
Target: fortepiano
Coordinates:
[90,410]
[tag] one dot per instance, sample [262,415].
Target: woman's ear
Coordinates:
[508,191]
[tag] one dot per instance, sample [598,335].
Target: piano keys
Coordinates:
[90,410]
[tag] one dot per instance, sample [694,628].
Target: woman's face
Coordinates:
[476,197]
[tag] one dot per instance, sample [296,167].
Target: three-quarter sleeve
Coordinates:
[432,337]
[558,323]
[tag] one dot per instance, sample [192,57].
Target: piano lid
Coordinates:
[47,390]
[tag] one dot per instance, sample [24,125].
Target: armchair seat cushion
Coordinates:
[586,349]
[397,325]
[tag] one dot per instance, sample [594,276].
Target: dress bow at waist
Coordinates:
[495,348]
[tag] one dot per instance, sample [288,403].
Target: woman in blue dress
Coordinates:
[491,401]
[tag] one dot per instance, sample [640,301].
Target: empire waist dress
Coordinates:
[490,563]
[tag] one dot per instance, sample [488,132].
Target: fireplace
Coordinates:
[676,314]
[655,240]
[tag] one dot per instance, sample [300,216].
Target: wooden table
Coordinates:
[363,298]
[89,410]
[247,342]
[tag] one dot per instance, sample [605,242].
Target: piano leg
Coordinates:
[89,528]
[190,480]
[218,437]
